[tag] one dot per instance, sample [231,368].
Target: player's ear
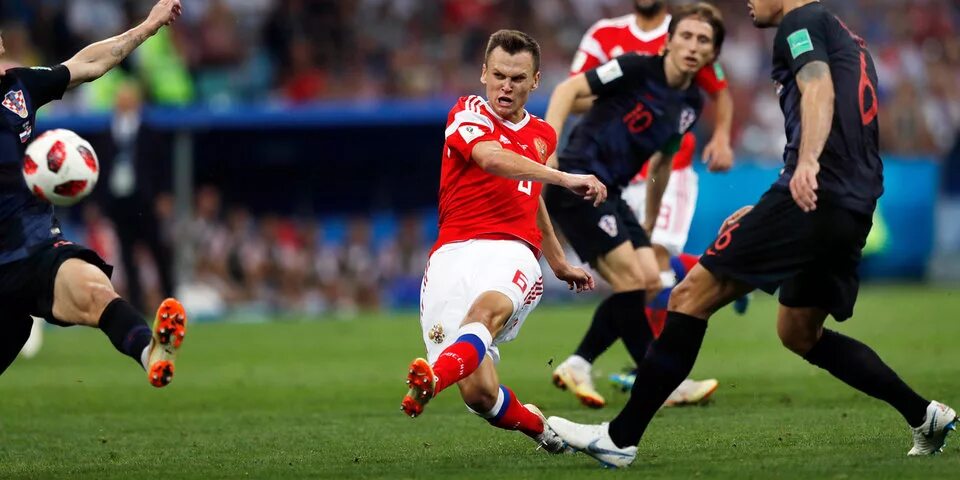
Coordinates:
[536,81]
[483,74]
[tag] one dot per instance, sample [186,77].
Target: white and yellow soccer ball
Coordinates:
[61,167]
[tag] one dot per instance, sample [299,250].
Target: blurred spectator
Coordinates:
[309,50]
[130,196]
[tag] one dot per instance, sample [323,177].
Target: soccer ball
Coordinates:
[60,167]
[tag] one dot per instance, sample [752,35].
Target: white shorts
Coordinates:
[676,208]
[457,273]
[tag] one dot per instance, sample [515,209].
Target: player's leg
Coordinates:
[621,315]
[830,287]
[668,361]
[83,295]
[856,364]
[498,279]
[462,357]
[16,330]
[500,406]
[671,357]
[484,320]
[608,237]
[33,345]
[766,246]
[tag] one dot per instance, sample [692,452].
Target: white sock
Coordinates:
[501,399]
[668,279]
[145,355]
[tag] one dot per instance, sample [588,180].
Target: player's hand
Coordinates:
[718,154]
[165,12]
[577,278]
[733,219]
[648,228]
[587,186]
[803,185]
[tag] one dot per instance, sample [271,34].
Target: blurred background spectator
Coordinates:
[302,51]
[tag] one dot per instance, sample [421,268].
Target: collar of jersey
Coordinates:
[652,34]
[512,126]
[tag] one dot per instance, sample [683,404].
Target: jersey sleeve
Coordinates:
[802,38]
[711,79]
[589,54]
[468,126]
[45,84]
[615,75]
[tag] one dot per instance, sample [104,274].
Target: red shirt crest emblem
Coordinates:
[541,148]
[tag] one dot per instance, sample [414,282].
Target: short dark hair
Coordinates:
[705,12]
[514,42]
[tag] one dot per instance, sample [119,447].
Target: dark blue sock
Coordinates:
[125,328]
[667,363]
[860,367]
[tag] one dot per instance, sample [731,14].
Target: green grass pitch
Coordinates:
[321,400]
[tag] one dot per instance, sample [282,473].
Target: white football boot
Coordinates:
[930,437]
[594,440]
[692,392]
[574,375]
[549,441]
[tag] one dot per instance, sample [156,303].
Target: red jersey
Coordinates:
[476,204]
[612,37]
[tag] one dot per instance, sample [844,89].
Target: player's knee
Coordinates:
[492,313]
[95,292]
[478,399]
[798,340]
[682,295]
[630,278]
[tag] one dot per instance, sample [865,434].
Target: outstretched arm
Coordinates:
[97,59]
[577,278]
[661,164]
[496,160]
[572,92]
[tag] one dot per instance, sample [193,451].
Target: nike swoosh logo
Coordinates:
[593,448]
[933,423]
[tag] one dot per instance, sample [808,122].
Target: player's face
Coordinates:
[765,13]
[509,80]
[691,46]
[2,51]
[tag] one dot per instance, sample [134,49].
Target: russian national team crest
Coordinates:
[14,102]
[436,334]
[541,148]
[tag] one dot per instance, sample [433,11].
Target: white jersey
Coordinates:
[676,208]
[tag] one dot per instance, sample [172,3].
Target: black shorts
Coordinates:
[26,286]
[812,257]
[594,231]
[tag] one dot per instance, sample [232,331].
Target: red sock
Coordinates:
[510,414]
[656,318]
[688,260]
[462,358]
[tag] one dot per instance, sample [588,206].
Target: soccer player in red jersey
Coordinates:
[645,32]
[483,277]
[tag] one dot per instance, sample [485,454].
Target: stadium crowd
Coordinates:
[263,266]
[299,51]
